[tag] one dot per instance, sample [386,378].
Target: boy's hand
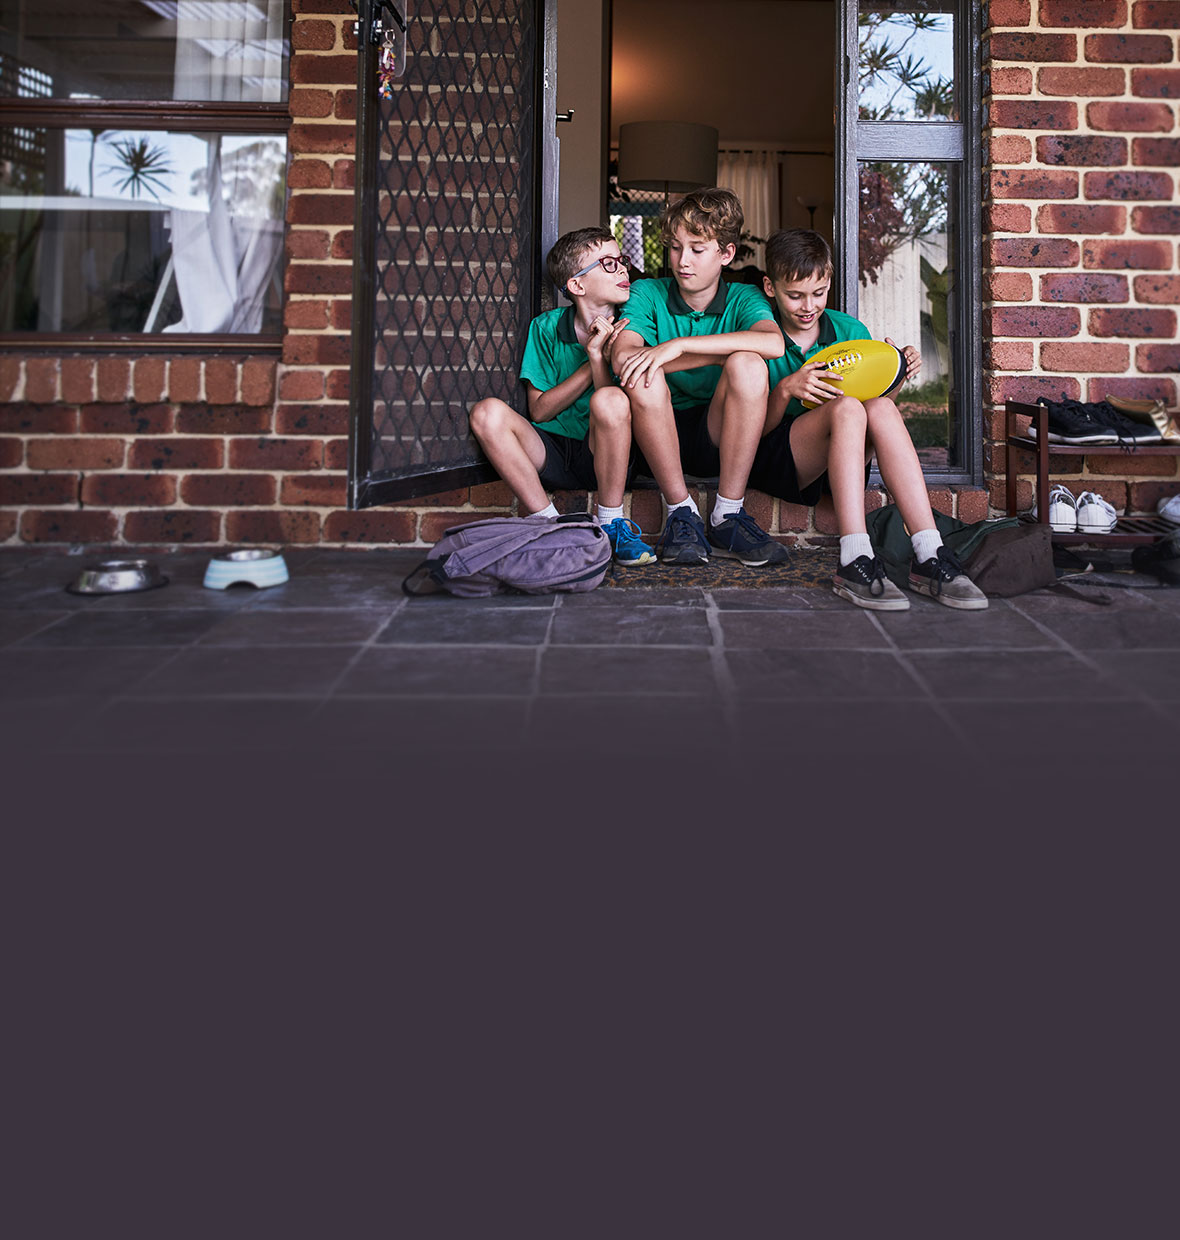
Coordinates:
[812,382]
[603,334]
[643,363]
[913,359]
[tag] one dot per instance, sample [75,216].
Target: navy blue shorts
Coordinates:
[774,473]
[699,455]
[569,463]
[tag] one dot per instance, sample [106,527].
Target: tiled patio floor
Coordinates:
[338,660]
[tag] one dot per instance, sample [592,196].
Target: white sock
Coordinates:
[853,546]
[548,511]
[926,545]
[687,502]
[606,515]
[723,508]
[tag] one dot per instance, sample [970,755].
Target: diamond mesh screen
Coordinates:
[455,229]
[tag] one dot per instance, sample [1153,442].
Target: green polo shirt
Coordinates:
[833,326]
[552,353]
[658,312]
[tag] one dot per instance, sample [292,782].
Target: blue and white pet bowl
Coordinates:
[255,566]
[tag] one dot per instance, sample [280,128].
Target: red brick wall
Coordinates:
[1081,153]
[160,451]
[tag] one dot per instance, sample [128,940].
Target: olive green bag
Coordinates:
[1003,557]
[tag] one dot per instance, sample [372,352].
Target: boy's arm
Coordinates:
[549,403]
[809,382]
[595,372]
[689,352]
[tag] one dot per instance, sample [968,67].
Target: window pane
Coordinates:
[141,231]
[906,61]
[144,49]
[907,290]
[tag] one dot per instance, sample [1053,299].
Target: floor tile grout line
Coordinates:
[330,692]
[912,672]
[538,660]
[1089,663]
[155,671]
[723,676]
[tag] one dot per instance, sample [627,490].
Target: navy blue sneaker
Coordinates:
[683,540]
[740,537]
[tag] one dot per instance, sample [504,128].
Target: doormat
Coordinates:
[804,568]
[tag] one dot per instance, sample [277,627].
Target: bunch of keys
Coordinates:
[386,67]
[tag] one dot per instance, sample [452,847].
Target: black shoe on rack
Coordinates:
[1072,422]
[1128,430]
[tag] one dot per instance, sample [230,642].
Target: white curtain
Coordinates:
[224,258]
[753,176]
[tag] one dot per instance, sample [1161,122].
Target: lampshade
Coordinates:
[667,155]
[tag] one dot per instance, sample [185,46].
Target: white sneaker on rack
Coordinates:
[1095,515]
[1063,515]
[1169,509]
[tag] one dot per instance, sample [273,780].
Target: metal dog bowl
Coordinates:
[255,566]
[118,577]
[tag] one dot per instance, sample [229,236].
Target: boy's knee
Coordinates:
[847,409]
[486,415]
[609,408]
[881,409]
[748,371]
[650,399]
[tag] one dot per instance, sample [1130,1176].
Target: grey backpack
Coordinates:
[524,555]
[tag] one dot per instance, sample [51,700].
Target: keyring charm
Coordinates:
[386,67]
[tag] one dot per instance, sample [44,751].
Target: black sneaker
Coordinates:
[740,537]
[943,579]
[864,583]
[1128,430]
[683,540]
[1070,421]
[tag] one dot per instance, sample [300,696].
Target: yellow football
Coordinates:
[868,367]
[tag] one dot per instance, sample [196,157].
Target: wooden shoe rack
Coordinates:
[1128,531]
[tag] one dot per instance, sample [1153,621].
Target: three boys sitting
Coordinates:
[710,382]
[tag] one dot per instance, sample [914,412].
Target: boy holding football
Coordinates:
[577,435]
[693,360]
[836,440]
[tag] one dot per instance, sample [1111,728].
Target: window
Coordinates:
[143,166]
[909,223]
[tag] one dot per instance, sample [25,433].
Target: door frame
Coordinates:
[957,142]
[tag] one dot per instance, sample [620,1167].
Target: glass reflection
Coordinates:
[144,49]
[132,231]
[907,286]
[906,61]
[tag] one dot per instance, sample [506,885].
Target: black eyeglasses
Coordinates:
[608,262]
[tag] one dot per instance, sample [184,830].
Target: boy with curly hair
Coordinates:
[692,360]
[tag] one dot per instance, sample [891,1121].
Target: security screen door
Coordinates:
[455,206]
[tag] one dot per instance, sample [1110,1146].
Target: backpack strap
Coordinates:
[425,576]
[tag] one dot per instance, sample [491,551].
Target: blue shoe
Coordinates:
[628,547]
[740,537]
[683,540]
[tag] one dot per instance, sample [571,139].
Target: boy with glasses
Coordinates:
[577,435]
[693,362]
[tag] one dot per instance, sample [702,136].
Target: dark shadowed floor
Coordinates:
[664,684]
